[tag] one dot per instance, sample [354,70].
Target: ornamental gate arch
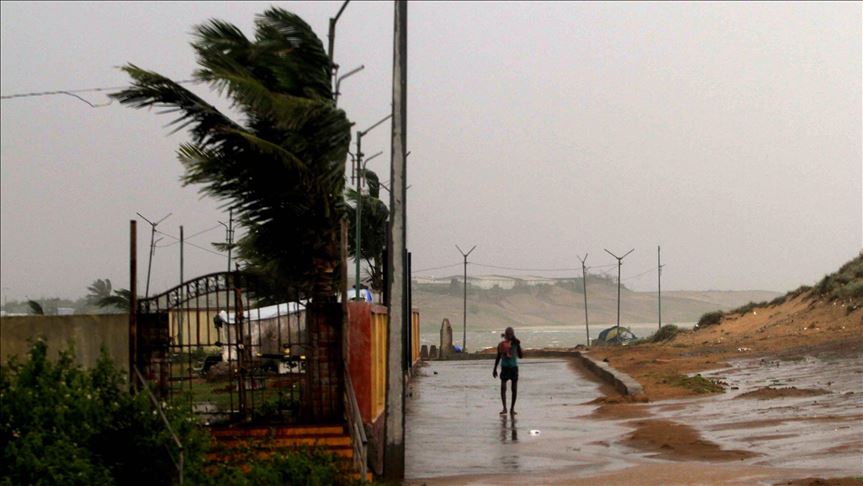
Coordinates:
[232,353]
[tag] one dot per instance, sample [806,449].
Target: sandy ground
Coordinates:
[790,411]
[789,331]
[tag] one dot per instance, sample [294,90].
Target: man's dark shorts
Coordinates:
[507,373]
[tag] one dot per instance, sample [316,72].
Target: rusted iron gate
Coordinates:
[217,344]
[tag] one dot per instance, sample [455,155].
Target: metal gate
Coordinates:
[217,344]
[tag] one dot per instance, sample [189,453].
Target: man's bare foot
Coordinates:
[503,412]
[513,412]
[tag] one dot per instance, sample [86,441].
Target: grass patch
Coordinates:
[697,383]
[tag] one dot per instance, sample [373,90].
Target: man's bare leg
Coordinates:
[514,396]
[503,396]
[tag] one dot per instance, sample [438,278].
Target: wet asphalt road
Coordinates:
[453,426]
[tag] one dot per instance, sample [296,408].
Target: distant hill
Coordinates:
[549,302]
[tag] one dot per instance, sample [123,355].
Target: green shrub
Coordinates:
[299,467]
[745,309]
[851,290]
[665,333]
[844,283]
[709,319]
[62,424]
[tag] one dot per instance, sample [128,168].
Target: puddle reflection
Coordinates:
[508,432]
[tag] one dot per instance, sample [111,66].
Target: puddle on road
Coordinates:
[820,431]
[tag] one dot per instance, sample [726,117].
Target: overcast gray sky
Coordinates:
[728,133]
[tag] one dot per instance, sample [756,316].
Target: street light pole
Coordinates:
[584,284]
[152,247]
[358,165]
[332,37]
[464,314]
[619,264]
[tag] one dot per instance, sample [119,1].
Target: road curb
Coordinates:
[623,383]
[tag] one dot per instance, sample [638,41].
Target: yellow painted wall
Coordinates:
[379,362]
[415,336]
[87,333]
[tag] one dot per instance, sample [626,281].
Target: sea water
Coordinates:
[540,336]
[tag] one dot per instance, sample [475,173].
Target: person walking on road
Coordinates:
[508,352]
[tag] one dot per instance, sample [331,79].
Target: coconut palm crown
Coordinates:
[281,166]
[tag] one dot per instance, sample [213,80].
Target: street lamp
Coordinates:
[358,166]
[339,82]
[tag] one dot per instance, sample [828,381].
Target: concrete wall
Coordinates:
[367,334]
[359,364]
[367,355]
[87,333]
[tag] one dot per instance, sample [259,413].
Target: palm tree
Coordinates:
[375,216]
[280,168]
[99,290]
[120,300]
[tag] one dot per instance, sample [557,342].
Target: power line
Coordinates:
[190,244]
[540,269]
[71,92]
[639,274]
[187,238]
[436,268]
[513,268]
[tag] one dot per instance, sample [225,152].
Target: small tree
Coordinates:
[36,308]
[375,217]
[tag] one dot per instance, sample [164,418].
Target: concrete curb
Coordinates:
[621,382]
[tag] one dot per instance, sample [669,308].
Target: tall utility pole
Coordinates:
[358,168]
[619,264]
[464,315]
[584,284]
[659,284]
[229,235]
[152,248]
[399,312]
